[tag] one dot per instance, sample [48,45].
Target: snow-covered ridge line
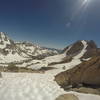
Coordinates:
[4,40]
[11,51]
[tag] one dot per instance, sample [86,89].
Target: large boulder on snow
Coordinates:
[86,73]
[67,97]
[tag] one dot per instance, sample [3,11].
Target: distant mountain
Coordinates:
[26,54]
[11,51]
[90,47]
[35,51]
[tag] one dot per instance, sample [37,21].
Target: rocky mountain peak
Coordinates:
[21,50]
[5,41]
[75,48]
[91,50]
[90,47]
[3,36]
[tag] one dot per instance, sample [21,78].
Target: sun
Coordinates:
[86,1]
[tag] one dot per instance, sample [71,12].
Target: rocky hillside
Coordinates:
[83,77]
[91,49]
[86,74]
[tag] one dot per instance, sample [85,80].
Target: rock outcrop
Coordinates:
[76,48]
[92,50]
[0,75]
[86,73]
[86,90]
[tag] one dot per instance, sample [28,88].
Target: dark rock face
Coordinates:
[0,75]
[86,73]
[92,50]
[87,90]
[76,48]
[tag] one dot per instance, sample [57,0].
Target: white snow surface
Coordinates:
[36,86]
[56,58]
[28,87]
[35,50]
[11,58]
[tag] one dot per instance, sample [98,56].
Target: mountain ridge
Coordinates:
[22,50]
[28,54]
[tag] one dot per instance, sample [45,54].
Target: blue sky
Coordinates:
[51,23]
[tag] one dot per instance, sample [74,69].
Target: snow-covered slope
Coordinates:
[37,56]
[25,86]
[9,51]
[35,50]
[37,64]
[60,57]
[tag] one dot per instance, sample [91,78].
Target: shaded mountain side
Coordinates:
[92,50]
[76,48]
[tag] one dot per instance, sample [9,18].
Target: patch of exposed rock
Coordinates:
[75,48]
[0,75]
[92,50]
[86,73]
[87,90]
[67,97]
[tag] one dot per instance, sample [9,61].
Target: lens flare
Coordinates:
[81,8]
[85,2]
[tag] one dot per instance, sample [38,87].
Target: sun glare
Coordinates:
[86,1]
